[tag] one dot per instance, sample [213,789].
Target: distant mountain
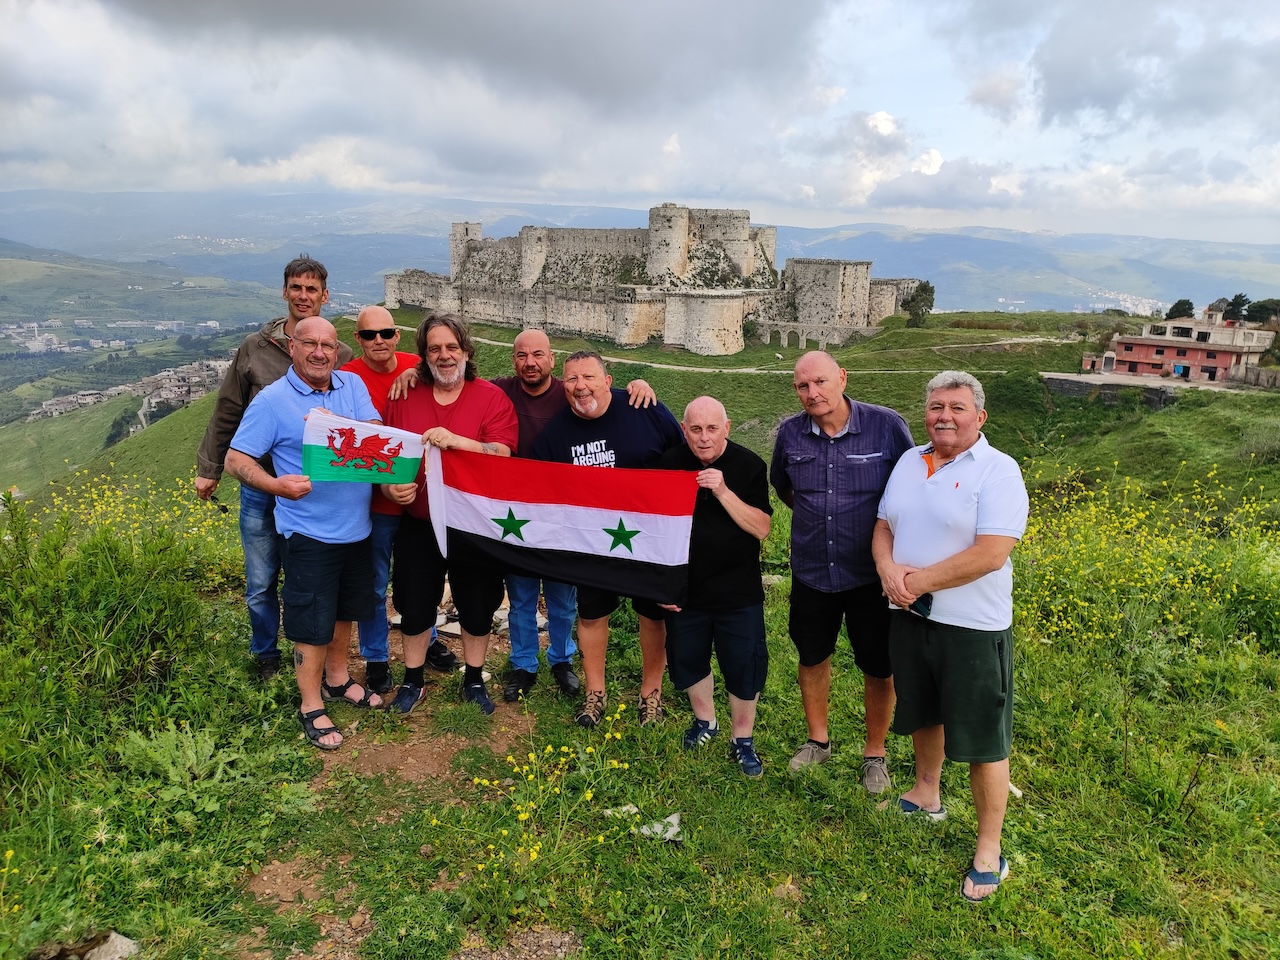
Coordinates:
[248,238]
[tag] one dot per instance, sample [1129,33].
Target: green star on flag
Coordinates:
[510,525]
[621,536]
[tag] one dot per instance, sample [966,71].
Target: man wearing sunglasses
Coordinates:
[378,366]
[261,359]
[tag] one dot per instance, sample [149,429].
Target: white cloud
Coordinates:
[928,163]
[672,145]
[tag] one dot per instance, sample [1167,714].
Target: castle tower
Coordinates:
[459,237]
[533,254]
[668,241]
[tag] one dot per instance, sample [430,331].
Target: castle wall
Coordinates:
[831,297]
[888,296]
[461,236]
[668,251]
[729,228]
[674,280]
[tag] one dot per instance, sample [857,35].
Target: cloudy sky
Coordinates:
[1117,116]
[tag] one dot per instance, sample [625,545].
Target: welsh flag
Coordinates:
[335,448]
[626,531]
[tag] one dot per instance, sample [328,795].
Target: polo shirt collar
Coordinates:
[852,425]
[978,451]
[304,388]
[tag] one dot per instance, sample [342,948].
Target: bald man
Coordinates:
[723,607]
[324,527]
[830,465]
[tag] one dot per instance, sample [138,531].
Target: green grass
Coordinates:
[41,451]
[145,776]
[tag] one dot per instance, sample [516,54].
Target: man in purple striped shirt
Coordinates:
[830,466]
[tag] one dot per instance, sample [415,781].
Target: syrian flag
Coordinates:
[625,531]
[336,448]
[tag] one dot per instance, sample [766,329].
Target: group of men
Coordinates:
[908,546]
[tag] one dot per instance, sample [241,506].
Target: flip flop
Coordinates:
[907,808]
[984,878]
[334,694]
[314,733]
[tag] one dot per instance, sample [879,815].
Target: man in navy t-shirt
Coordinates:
[600,429]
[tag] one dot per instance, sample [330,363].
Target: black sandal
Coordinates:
[314,733]
[339,694]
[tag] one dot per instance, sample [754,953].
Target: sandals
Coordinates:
[314,733]
[334,694]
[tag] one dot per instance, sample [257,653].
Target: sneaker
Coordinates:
[377,676]
[809,755]
[699,732]
[592,711]
[518,685]
[566,679]
[440,657]
[907,809]
[477,694]
[650,708]
[875,775]
[407,697]
[743,750]
[268,667]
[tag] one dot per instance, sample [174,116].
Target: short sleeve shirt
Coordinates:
[932,517]
[333,512]
[622,436]
[724,559]
[836,483]
[481,412]
[534,413]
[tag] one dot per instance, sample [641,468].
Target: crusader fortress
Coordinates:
[698,279]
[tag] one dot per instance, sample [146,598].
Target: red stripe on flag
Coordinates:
[663,492]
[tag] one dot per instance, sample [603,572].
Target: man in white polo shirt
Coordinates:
[948,521]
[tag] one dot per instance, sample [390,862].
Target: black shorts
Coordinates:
[594,603]
[324,583]
[417,581]
[814,624]
[738,639]
[957,677]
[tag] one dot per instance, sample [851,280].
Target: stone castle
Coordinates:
[699,279]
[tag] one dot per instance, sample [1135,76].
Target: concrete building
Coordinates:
[1208,349]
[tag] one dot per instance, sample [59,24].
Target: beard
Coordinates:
[447,378]
[586,406]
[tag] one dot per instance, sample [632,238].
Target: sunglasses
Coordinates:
[387,334]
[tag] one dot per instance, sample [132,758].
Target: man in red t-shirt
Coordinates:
[378,366]
[454,411]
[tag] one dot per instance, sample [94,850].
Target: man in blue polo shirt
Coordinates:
[830,466]
[324,527]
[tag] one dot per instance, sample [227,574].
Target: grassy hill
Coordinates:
[45,450]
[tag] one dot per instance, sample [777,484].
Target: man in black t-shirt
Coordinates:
[724,606]
[600,429]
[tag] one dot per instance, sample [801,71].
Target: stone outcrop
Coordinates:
[694,278]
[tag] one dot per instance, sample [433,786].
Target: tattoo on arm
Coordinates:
[490,448]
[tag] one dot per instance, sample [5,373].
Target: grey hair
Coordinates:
[953,380]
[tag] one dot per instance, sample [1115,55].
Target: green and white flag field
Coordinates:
[335,448]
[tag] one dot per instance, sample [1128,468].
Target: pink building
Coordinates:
[1208,349]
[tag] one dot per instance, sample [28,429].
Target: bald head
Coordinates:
[376,330]
[819,383]
[533,361]
[313,349]
[706,429]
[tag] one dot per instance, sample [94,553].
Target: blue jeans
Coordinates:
[373,633]
[561,606]
[261,546]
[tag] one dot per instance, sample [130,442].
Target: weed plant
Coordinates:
[143,776]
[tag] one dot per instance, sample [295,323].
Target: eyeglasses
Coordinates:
[387,334]
[309,345]
[213,498]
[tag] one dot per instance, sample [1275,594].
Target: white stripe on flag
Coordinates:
[651,538]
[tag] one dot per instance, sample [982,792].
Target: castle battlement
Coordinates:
[693,278]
